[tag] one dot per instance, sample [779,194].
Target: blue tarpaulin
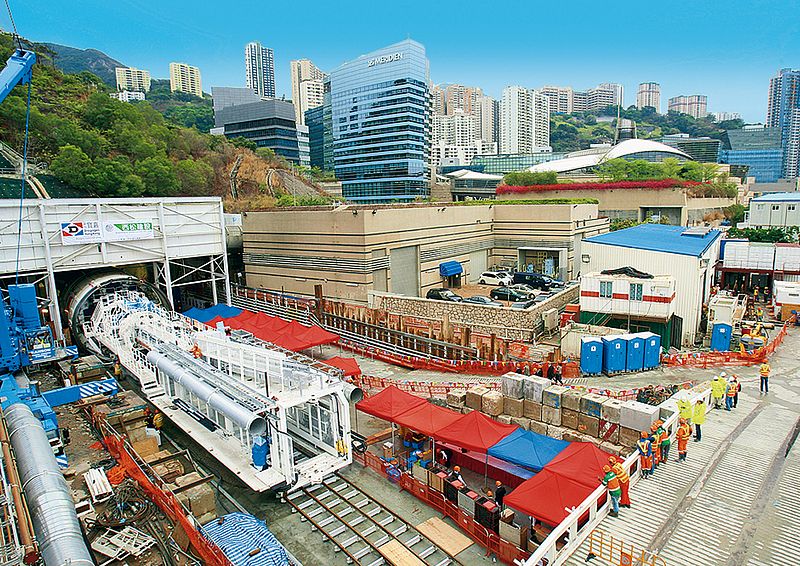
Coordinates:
[450,268]
[527,448]
[246,541]
[204,315]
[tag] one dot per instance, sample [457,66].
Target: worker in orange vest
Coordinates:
[730,393]
[764,373]
[624,480]
[683,434]
[645,448]
[655,438]
[614,491]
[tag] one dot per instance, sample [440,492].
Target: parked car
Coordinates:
[506,294]
[495,278]
[537,280]
[542,297]
[442,294]
[478,300]
[523,305]
[524,288]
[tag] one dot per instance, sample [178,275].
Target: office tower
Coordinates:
[268,122]
[783,112]
[185,78]
[649,94]
[380,115]
[758,147]
[223,96]
[316,136]
[524,120]
[694,105]
[560,99]
[307,87]
[132,79]
[260,69]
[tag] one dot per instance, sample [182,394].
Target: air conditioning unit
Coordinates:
[550,318]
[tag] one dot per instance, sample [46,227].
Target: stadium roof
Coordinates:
[661,238]
[627,148]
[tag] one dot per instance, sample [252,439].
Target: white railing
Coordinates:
[549,553]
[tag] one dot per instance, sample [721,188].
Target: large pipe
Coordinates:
[52,509]
[255,424]
[23,514]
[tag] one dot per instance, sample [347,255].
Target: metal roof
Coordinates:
[660,238]
[778,197]
[581,160]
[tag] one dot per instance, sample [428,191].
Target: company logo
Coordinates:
[385,59]
[71,229]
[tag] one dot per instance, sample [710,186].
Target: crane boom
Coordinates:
[18,70]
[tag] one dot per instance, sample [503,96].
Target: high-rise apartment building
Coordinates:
[524,120]
[783,112]
[185,78]
[259,64]
[489,114]
[617,89]
[695,105]
[451,98]
[132,79]
[601,97]
[649,94]
[725,116]
[560,98]
[565,100]
[307,87]
[380,118]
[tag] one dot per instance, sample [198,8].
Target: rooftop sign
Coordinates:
[385,59]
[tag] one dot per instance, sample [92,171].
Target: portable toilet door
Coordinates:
[591,355]
[634,359]
[614,354]
[652,350]
[721,337]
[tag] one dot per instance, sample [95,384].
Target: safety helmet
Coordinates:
[498,483]
[456,468]
[644,434]
[606,468]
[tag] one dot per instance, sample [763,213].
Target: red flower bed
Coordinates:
[659,184]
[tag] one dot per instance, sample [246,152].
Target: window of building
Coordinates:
[776,207]
[605,289]
[790,207]
[636,292]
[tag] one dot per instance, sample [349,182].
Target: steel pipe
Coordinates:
[255,424]
[49,498]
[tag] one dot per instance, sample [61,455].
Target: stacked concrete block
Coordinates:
[588,425]
[439,401]
[555,432]
[552,396]
[591,404]
[492,403]
[538,427]
[513,385]
[608,431]
[457,398]
[610,410]
[551,415]
[474,397]
[572,400]
[505,419]
[613,449]
[638,416]
[535,386]
[628,437]
[569,418]
[532,410]
[513,407]
[521,422]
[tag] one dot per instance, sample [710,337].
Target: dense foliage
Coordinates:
[523,178]
[181,108]
[650,184]
[622,223]
[572,132]
[770,235]
[710,182]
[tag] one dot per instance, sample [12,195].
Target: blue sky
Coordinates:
[727,50]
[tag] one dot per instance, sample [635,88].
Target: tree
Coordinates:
[734,213]
[770,235]
[528,178]
[71,166]
[244,142]
[195,177]
[158,176]
[114,177]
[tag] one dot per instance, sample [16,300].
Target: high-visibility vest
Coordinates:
[612,483]
[764,371]
[645,448]
[683,432]
[622,475]
[732,389]
[664,437]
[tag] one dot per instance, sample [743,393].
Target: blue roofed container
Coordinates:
[652,349]
[614,354]
[721,337]
[634,356]
[591,355]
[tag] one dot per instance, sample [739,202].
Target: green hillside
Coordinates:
[72,60]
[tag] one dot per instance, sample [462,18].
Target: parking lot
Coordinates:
[478,290]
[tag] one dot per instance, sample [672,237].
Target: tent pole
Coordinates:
[392,439]
[485,472]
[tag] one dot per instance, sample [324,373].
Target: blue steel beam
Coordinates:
[18,70]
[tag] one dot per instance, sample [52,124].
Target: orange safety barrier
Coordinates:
[209,553]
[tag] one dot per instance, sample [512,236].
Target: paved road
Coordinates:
[735,500]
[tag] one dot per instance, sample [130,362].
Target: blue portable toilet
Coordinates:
[614,354]
[634,358]
[652,349]
[721,337]
[591,355]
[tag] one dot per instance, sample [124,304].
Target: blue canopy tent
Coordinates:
[528,449]
[450,268]
[204,315]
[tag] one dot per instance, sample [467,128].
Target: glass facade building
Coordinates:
[380,108]
[316,133]
[269,123]
[510,162]
[758,148]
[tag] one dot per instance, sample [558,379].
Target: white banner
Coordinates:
[81,232]
[121,231]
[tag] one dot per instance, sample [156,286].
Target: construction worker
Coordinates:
[655,440]
[645,448]
[443,458]
[764,373]
[698,418]
[499,493]
[682,435]
[718,387]
[760,314]
[730,393]
[624,480]
[738,385]
[684,409]
[455,475]
[664,441]
[614,491]
[755,295]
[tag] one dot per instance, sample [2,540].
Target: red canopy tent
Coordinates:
[581,461]
[349,366]
[290,335]
[548,496]
[390,403]
[428,418]
[475,431]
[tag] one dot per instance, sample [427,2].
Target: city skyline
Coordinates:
[733,70]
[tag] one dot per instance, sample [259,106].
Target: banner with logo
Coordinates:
[79,232]
[122,231]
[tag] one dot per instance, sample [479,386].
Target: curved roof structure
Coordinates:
[580,160]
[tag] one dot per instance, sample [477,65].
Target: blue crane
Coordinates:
[18,71]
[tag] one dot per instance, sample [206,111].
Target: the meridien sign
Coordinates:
[385,59]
